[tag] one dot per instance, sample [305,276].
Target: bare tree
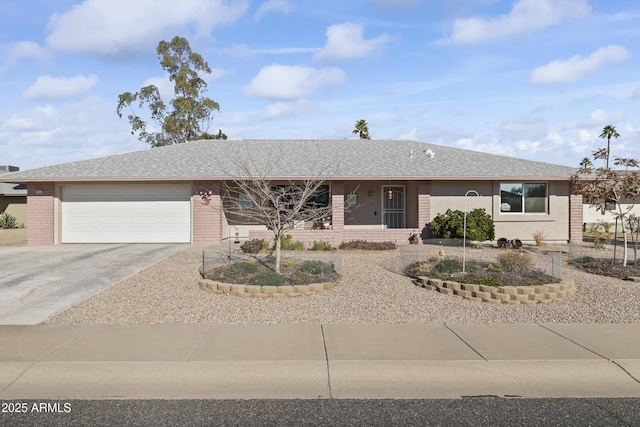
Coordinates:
[251,195]
[604,187]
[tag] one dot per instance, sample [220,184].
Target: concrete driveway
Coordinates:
[37,282]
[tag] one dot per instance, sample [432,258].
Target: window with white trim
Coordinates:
[523,197]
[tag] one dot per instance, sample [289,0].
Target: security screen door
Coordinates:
[393,206]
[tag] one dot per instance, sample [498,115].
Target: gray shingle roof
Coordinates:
[12,189]
[335,159]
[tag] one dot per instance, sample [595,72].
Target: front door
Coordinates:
[393,206]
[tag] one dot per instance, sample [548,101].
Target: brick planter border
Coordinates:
[264,291]
[534,294]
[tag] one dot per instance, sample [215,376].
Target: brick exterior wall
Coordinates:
[575,219]
[424,209]
[337,205]
[207,219]
[400,235]
[40,214]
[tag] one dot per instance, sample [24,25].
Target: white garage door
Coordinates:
[126,213]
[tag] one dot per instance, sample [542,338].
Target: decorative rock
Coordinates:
[316,287]
[329,285]
[285,289]
[269,289]
[253,289]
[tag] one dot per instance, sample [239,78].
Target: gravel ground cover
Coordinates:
[13,236]
[372,290]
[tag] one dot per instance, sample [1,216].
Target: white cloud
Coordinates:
[282,109]
[525,16]
[292,82]
[81,130]
[597,117]
[346,41]
[412,135]
[109,27]
[21,50]
[269,6]
[48,88]
[577,67]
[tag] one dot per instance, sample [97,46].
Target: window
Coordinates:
[528,197]
[245,201]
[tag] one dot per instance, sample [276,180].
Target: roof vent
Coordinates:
[411,154]
[429,153]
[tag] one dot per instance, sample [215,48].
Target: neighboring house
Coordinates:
[13,197]
[592,217]
[391,189]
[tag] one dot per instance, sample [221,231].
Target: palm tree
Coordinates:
[609,132]
[362,129]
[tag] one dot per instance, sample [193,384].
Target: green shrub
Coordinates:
[450,225]
[489,281]
[287,243]
[368,246]
[317,267]
[297,246]
[516,262]
[300,278]
[8,221]
[321,246]
[267,278]
[448,266]
[241,269]
[254,246]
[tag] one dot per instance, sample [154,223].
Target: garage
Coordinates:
[126,213]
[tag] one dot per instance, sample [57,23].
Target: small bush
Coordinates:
[516,262]
[297,246]
[450,225]
[317,267]
[301,278]
[8,221]
[368,246]
[600,239]
[321,246]
[254,246]
[241,269]
[539,237]
[267,278]
[448,266]
[489,281]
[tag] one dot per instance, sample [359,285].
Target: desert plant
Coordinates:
[539,237]
[301,278]
[366,245]
[606,226]
[267,278]
[321,246]
[8,221]
[297,246]
[450,225]
[254,246]
[241,269]
[600,239]
[448,266]
[317,267]
[514,261]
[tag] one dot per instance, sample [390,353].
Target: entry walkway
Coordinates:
[318,361]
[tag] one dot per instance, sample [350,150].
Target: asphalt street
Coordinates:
[471,411]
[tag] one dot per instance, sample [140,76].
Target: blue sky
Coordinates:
[535,79]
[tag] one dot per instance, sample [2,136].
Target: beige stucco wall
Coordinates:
[15,206]
[368,212]
[591,216]
[555,223]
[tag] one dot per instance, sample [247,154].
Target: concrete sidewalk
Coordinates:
[318,361]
